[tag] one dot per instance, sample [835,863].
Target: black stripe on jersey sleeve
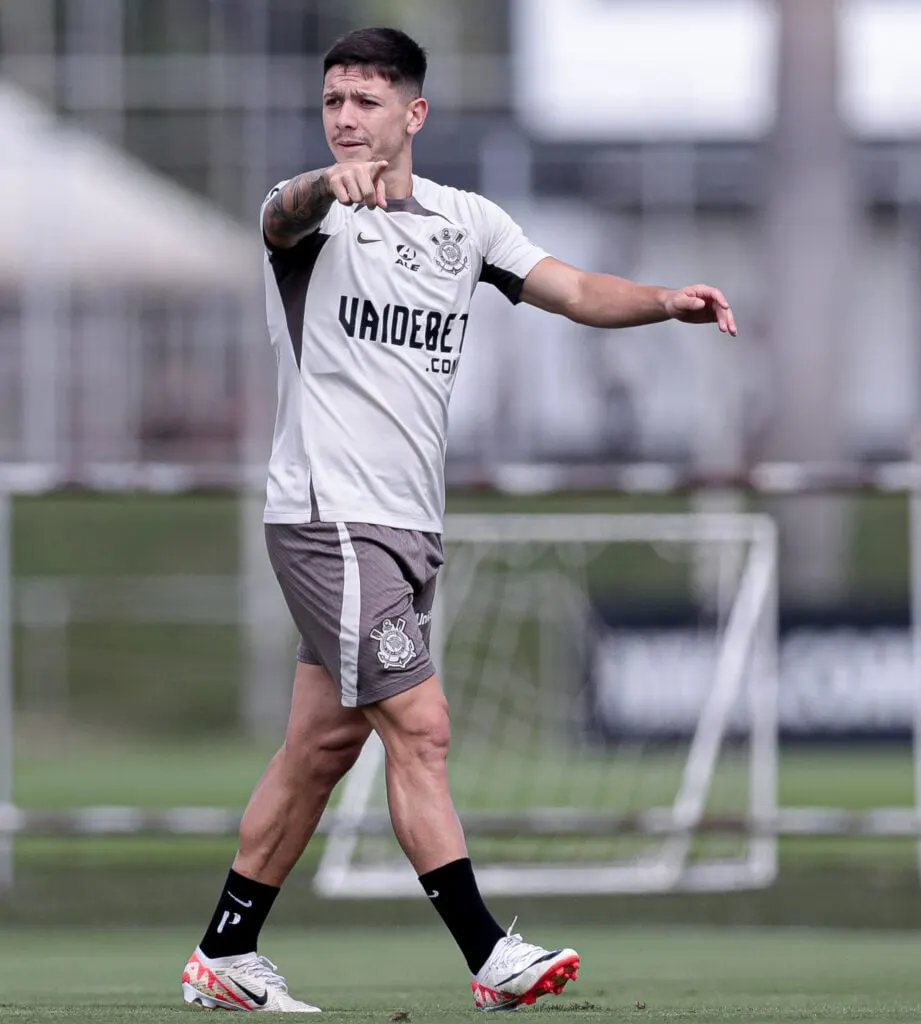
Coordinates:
[508,283]
[293,269]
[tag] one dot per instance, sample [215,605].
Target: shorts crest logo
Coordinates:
[396,649]
[450,254]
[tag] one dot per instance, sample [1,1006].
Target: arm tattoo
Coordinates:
[298,208]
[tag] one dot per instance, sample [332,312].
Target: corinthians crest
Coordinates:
[396,649]
[450,254]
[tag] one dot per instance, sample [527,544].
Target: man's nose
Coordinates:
[347,116]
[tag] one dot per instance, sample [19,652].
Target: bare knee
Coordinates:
[420,734]
[322,760]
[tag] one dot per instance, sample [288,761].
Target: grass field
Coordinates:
[105,534]
[170,879]
[174,678]
[416,975]
[222,773]
[144,719]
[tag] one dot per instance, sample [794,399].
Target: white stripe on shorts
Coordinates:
[349,620]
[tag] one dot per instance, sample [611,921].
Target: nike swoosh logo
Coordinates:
[259,1000]
[243,903]
[533,963]
[433,895]
[367,241]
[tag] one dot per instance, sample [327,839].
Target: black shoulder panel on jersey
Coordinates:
[293,268]
[508,283]
[408,205]
[411,205]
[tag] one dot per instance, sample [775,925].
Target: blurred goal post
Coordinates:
[539,562]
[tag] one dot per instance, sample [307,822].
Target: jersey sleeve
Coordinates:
[273,191]
[508,254]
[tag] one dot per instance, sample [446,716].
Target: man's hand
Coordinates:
[358,183]
[701,304]
[296,210]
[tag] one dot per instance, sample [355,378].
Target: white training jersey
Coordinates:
[368,316]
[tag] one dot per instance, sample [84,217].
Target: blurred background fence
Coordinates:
[773,148]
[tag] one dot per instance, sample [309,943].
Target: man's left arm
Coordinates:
[602,300]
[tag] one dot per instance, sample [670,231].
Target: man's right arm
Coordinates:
[297,209]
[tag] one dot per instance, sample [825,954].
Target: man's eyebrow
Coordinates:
[338,93]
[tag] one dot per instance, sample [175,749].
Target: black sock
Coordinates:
[454,894]
[239,916]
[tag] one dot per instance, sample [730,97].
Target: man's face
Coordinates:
[366,118]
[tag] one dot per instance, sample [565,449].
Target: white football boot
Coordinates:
[517,973]
[248,982]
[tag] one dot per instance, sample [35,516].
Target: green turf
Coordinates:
[167,680]
[222,771]
[213,772]
[208,772]
[124,534]
[168,879]
[73,533]
[656,975]
[161,687]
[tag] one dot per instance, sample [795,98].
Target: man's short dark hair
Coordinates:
[387,52]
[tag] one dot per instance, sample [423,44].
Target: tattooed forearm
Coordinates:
[298,208]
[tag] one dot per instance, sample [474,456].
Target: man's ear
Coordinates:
[418,112]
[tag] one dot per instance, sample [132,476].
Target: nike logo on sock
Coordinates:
[433,895]
[243,903]
[259,1000]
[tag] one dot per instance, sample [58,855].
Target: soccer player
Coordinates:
[369,273]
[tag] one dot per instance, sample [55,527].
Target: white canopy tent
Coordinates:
[106,266]
[122,291]
[77,210]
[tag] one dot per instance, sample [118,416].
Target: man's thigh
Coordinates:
[317,716]
[361,597]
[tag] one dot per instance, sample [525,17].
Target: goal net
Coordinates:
[612,682]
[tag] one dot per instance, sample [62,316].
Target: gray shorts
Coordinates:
[361,597]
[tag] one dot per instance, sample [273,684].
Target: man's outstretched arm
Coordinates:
[602,300]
